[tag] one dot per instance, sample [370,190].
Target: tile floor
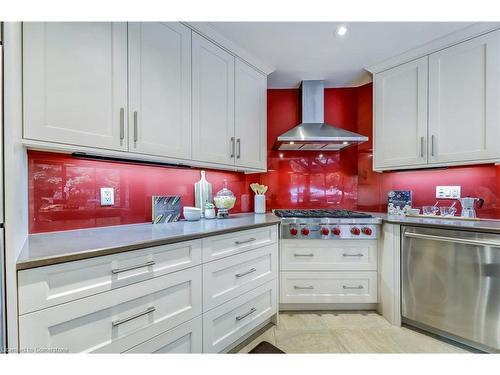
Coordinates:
[346,332]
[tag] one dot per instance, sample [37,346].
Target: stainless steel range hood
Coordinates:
[313,134]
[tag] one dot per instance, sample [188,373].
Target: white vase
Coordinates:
[260,204]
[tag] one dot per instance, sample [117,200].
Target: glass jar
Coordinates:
[224,201]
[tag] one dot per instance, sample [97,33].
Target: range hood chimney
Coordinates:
[313,134]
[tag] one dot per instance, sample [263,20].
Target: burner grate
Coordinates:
[321,214]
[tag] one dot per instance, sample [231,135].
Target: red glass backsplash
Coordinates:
[345,179]
[64,191]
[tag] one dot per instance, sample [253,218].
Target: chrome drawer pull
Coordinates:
[303,255]
[352,287]
[246,273]
[303,287]
[147,264]
[245,241]
[145,312]
[352,255]
[252,310]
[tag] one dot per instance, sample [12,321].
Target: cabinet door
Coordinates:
[213,102]
[160,89]
[186,338]
[75,83]
[464,122]
[250,116]
[400,131]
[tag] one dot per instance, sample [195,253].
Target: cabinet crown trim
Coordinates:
[462,35]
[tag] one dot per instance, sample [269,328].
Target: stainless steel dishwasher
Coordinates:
[451,284]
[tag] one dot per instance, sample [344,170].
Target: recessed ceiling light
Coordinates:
[345,143]
[341,30]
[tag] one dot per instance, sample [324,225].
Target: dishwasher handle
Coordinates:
[451,239]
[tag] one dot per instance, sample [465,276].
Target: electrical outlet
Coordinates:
[107,196]
[448,192]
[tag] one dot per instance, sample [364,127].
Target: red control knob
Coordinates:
[355,231]
[336,231]
[367,231]
[293,231]
[304,231]
[325,231]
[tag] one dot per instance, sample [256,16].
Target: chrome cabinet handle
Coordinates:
[232,147]
[352,287]
[303,255]
[421,147]
[238,155]
[303,287]
[244,241]
[246,273]
[122,123]
[145,312]
[352,255]
[432,145]
[136,135]
[147,264]
[453,240]
[251,311]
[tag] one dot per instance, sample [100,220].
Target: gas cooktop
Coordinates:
[321,214]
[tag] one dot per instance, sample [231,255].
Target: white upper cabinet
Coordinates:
[440,110]
[160,89]
[213,102]
[75,83]
[250,116]
[152,91]
[400,131]
[464,101]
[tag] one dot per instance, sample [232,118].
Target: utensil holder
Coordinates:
[260,204]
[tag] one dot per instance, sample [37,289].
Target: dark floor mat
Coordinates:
[265,347]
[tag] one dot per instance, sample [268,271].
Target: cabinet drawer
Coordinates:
[229,277]
[117,320]
[328,287]
[227,323]
[186,338]
[43,287]
[319,255]
[233,243]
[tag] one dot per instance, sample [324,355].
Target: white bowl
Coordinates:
[192,213]
[191,209]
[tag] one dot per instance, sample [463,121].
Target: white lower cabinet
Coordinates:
[118,320]
[186,338]
[151,300]
[329,287]
[225,324]
[43,287]
[328,272]
[318,255]
[229,277]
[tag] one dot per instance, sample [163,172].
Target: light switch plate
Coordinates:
[448,192]
[107,196]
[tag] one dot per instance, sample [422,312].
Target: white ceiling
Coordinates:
[312,50]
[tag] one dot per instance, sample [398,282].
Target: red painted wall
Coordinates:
[64,191]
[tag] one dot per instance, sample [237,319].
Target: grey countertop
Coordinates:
[58,247]
[484,225]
